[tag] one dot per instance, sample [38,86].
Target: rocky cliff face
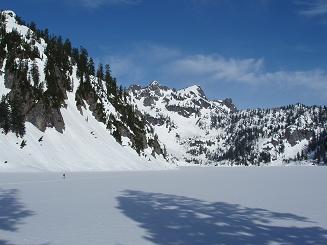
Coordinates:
[202,131]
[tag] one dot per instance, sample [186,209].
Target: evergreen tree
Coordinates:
[35,74]
[82,64]
[318,147]
[67,47]
[32,26]
[121,90]
[51,77]
[110,81]
[91,69]
[100,75]
[4,115]
[17,122]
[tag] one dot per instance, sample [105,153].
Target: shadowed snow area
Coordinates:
[12,212]
[171,219]
[190,205]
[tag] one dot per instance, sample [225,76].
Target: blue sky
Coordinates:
[260,53]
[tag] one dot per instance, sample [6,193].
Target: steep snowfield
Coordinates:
[206,206]
[85,145]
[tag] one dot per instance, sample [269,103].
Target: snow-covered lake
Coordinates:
[191,205]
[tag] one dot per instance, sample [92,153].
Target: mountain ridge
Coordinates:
[218,133]
[45,80]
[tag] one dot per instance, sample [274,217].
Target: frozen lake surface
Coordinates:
[191,205]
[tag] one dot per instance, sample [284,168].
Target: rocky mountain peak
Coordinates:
[9,13]
[154,84]
[195,90]
[229,103]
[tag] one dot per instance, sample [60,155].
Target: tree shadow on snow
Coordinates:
[12,212]
[170,219]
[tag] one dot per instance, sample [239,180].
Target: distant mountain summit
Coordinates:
[202,131]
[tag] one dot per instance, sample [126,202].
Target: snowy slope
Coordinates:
[180,117]
[202,131]
[254,205]
[84,145]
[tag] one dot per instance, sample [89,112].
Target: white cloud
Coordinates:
[313,8]
[152,62]
[213,68]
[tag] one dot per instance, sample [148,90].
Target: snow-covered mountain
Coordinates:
[182,119]
[202,131]
[57,114]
